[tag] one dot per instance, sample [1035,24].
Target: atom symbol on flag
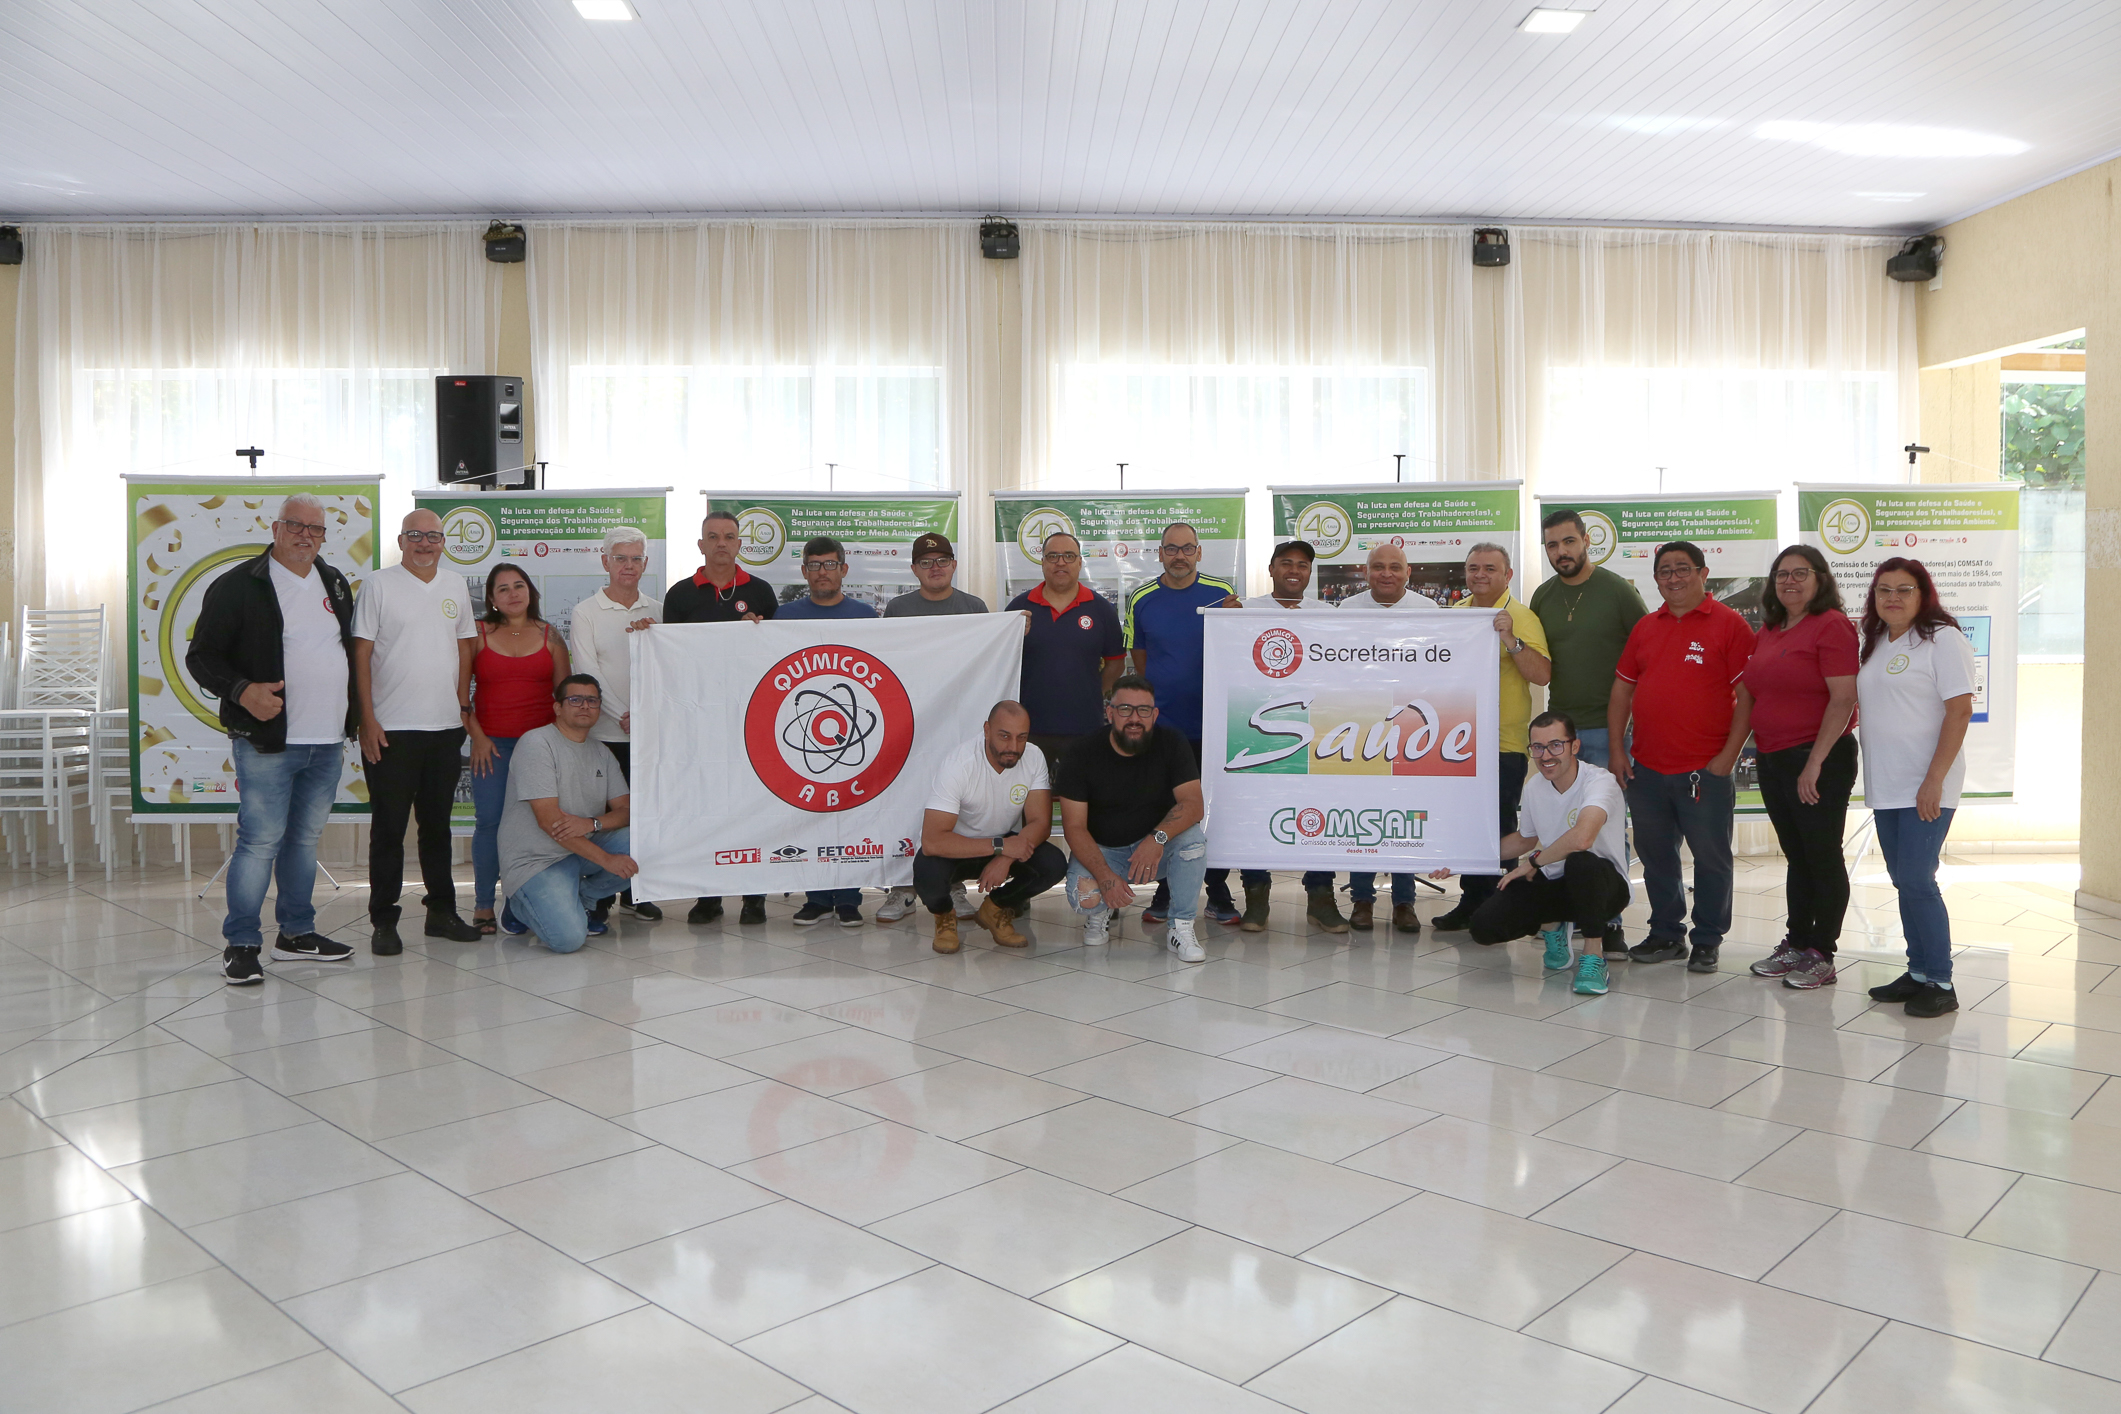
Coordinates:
[830,729]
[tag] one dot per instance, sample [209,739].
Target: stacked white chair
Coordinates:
[46,745]
[111,775]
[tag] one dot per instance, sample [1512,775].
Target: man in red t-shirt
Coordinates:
[1678,680]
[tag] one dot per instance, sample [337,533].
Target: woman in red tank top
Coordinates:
[520,660]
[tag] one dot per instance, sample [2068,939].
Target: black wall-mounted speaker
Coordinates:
[478,426]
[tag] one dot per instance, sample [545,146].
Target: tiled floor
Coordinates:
[758,1169]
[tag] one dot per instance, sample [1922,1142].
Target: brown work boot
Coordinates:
[1255,919]
[946,932]
[1323,912]
[1360,914]
[1405,919]
[995,919]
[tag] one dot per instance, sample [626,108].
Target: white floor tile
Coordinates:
[959,1099]
[1100,1144]
[1028,1232]
[1478,1163]
[1203,1024]
[1132,1380]
[99,1080]
[2062,1220]
[915,1013]
[1304,1117]
[304,1066]
[644,998]
[1506,1040]
[1349,1060]
[732,1027]
[1268,1197]
[1030,1042]
[745,1122]
[132,1130]
[509,1146]
[2074,1151]
[220,1180]
[1159,1078]
[1487,1093]
[609,1205]
[1958,1377]
[1712,1224]
[1817,1048]
[1883,1113]
[1712,1143]
[2086,1340]
[88,1256]
[847,1058]
[1882,1180]
[1672,1073]
[871,1173]
[1994,1080]
[319,1381]
[1079,996]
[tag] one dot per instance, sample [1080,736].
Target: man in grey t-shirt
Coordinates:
[935,566]
[564,829]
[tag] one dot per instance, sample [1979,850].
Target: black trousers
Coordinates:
[1474,889]
[1589,892]
[1028,878]
[415,779]
[1810,835]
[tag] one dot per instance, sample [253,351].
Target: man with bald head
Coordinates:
[274,641]
[413,640]
[989,812]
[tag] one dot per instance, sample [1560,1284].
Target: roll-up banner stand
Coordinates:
[1434,524]
[1966,536]
[183,533]
[554,537]
[878,529]
[1119,532]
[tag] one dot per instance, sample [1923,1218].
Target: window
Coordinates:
[2043,450]
[191,420]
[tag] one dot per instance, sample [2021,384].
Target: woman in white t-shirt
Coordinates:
[1916,695]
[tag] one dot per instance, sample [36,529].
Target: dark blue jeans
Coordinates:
[834,898]
[1696,807]
[1911,845]
[286,802]
[489,796]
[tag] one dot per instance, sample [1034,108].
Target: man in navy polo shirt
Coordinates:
[1165,634]
[1074,650]
[825,570]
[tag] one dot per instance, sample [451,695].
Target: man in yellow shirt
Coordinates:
[1524,662]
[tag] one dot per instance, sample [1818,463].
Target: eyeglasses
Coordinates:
[301,530]
[1193,549]
[424,537]
[628,559]
[1123,710]
[1551,748]
[1894,591]
[811,566]
[1792,576]
[1061,557]
[1679,572]
[575,699]
[933,562]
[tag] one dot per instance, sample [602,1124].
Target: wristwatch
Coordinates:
[1161,838]
[1517,646]
[998,841]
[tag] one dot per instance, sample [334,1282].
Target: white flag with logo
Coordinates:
[798,754]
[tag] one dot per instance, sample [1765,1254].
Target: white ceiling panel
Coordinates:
[1813,113]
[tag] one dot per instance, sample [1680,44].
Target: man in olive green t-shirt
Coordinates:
[1588,613]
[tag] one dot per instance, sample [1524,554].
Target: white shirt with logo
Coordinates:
[1900,694]
[312,660]
[987,802]
[1411,602]
[415,626]
[1546,814]
[1268,601]
[597,644]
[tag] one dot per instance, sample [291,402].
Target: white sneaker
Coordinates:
[1097,928]
[1182,942]
[963,906]
[897,904]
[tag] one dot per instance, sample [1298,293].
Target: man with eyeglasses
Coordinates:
[935,566]
[1678,681]
[824,570]
[274,641]
[720,591]
[1168,640]
[1074,649]
[413,641]
[565,829]
[596,644]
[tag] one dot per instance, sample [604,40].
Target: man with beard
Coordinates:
[988,816]
[1131,809]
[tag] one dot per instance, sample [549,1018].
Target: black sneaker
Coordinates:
[1933,1000]
[1658,950]
[1456,921]
[1903,988]
[1703,959]
[446,924]
[309,947]
[1616,943]
[598,925]
[754,909]
[811,914]
[646,912]
[239,967]
[384,941]
[707,910]
[849,917]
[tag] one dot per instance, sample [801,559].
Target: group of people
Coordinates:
[1647,714]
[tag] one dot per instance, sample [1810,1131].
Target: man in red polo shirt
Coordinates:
[1678,680]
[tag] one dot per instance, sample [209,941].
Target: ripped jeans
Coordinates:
[1184,865]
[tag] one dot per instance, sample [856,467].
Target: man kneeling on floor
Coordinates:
[1572,868]
[988,817]
[563,831]
[1131,809]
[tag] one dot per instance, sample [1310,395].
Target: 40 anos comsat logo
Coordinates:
[828,728]
[1343,829]
[1037,524]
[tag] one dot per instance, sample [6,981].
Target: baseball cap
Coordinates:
[933,544]
[1302,547]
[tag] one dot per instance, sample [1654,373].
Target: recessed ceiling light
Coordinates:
[1892,195]
[603,9]
[1892,139]
[1545,21]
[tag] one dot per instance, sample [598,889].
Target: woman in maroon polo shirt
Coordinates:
[1802,677]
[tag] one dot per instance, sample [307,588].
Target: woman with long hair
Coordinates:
[1802,678]
[1916,687]
[519,662]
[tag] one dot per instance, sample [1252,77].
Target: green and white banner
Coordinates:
[1434,524]
[1738,535]
[182,534]
[1119,532]
[1966,536]
[878,529]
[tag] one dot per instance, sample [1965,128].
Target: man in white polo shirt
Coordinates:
[1388,575]
[596,645]
[413,642]
[988,816]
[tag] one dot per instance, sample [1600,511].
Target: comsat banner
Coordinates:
[1119,533]
[777,756]
[1967,538]
[878,530]
[1350,741]
[1432,524]
[1737,534]
[183,534]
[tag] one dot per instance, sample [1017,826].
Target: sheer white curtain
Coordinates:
[162,348]
[1715,360]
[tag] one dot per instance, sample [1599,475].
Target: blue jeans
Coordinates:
[1911,845]
[1363,888]
[834,898]
[1597,747]
[286,802]
[489,796]
[1695,806]
[1183,866]
[555,903]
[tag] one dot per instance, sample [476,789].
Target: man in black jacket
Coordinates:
[274,641]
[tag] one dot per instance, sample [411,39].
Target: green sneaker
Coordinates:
[1557,948]
[1590,975]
